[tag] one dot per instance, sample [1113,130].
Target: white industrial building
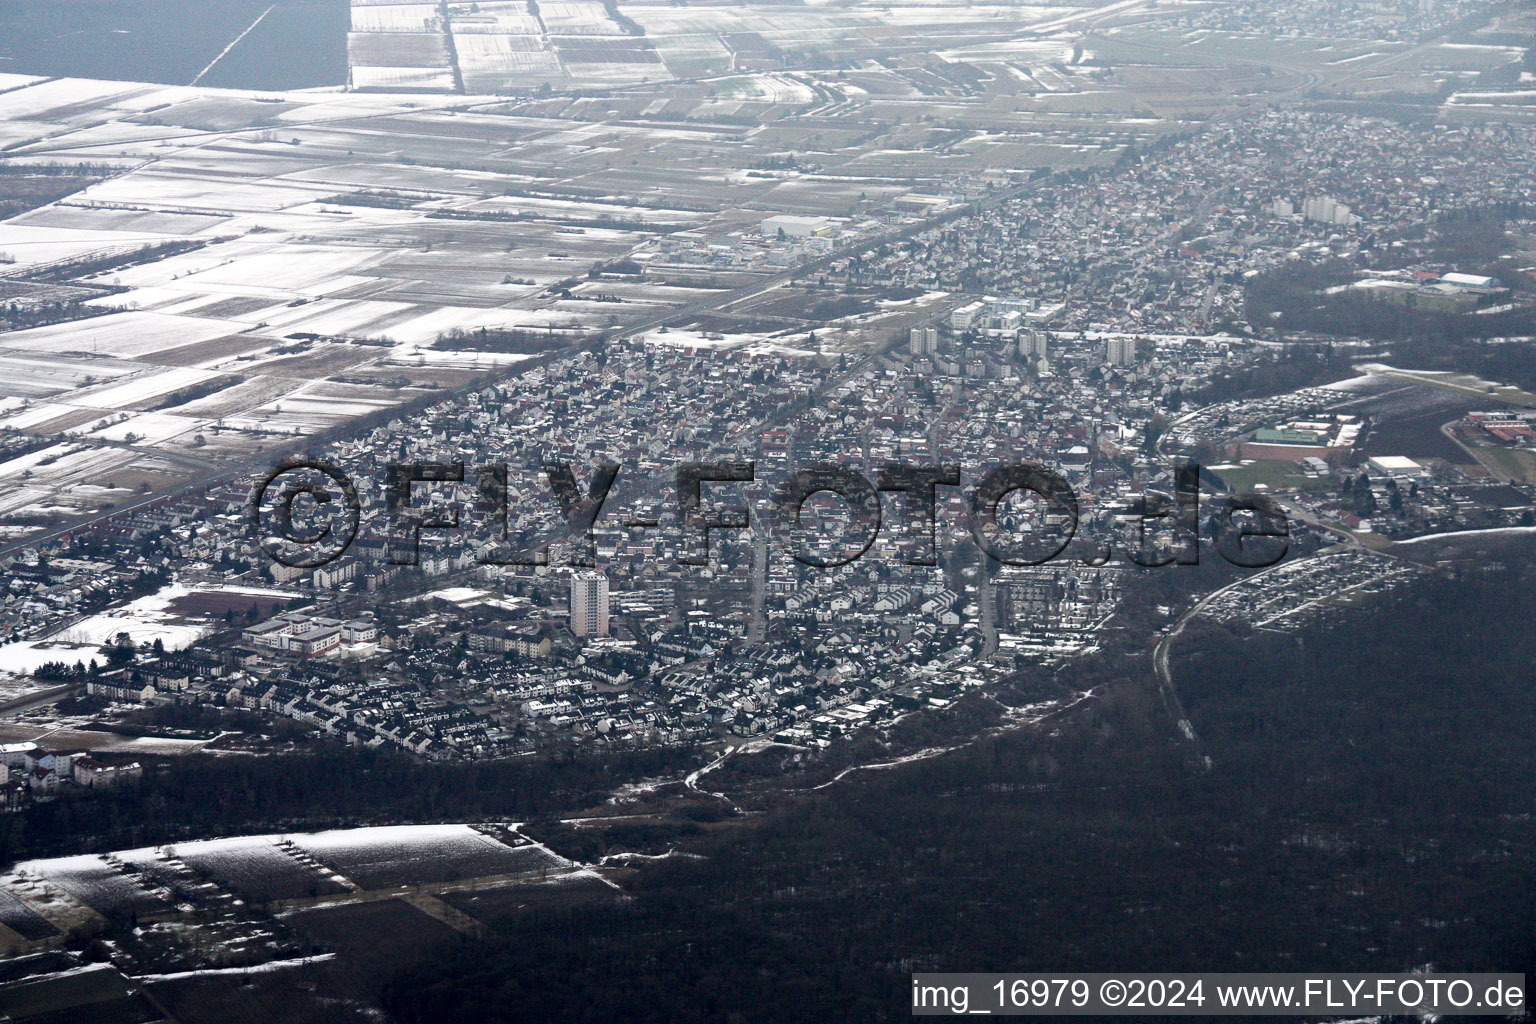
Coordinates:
[797,227]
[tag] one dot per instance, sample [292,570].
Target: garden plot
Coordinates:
[397,855]
[256,868]
[95,883]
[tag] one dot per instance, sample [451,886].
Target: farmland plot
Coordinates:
[257,869]
[578,17]
[23,921]
[97,884]
[398,49]
[509,19]
[388,856]
[127,335]
[495,62]
[31,376]
[393,17]
[438,79]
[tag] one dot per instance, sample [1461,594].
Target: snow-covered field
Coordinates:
[144,620]
[89,879]
[255,867]
[402,78]
[578,17]
[271,867]
[126,335]
[392,18]
[393,855]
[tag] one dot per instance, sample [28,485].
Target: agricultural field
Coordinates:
[265,265]
[1268,474]
[1516,464]
[399,47]
[314,882]
[257,869]
[22,920]
[390,856]
[87,880]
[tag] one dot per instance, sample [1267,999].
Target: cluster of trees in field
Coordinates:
[514,340]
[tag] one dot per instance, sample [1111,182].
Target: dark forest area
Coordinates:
[1365,803]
